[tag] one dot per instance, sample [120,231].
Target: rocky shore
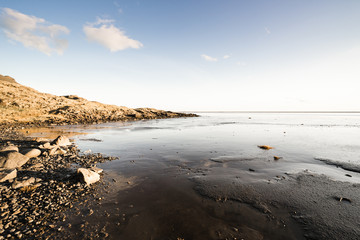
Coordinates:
[40,178]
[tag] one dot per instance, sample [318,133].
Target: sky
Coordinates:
[204,55]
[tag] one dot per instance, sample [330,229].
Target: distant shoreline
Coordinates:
[270,111]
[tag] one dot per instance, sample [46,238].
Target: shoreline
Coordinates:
[43,186]
[49,182]
[310,206]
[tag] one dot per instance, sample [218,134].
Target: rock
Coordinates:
[7,79]
[46,146]
[96,169]
[37,166]
[10,160]
[265,147]
[60,151]
[10,148]
[57,150]
[31,152]
[62,141]
[88,176]
[53,151]
[8,175]
[20,184]
[41,140]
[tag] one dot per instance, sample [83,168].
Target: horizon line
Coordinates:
[231,111]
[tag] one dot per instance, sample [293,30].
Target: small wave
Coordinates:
[344,165]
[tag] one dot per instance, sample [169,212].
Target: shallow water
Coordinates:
[228,142]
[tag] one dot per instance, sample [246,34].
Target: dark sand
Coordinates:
[207,199]
[155,201]
[172,203]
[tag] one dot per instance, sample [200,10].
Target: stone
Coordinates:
[61,141]
[53,151]
[8,175]
[41,140]
[96,169]
[37,166]
[57,150]
[88,176]
[10,148]
[24,183]
[46,146]
[10,160]
[31,152]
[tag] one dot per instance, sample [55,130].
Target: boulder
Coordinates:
[31,152]
[7,174]
[61,141]
[10,148]
[88,176]
[24,183]
[10,160]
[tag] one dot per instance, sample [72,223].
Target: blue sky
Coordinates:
[187,55]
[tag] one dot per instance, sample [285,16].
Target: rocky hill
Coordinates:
[21,104]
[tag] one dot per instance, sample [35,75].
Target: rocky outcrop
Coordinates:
[46,185]
[7,79]
[21,104]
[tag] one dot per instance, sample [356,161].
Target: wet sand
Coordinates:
[167,203]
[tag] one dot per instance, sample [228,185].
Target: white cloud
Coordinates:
[111,37]
[208,58]
[267,30]
[226,56]
[33,32]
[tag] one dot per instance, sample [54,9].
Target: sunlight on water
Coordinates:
[229,141]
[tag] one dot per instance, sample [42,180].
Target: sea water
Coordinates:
[227,143]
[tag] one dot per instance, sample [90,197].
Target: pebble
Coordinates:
[44,186]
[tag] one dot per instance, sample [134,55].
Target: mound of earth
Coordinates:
[21,104]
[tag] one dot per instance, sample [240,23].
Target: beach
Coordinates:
[179,120]
[207,178]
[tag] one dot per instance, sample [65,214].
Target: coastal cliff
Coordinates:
[21,104]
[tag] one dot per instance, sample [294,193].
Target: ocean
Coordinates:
[323,143]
